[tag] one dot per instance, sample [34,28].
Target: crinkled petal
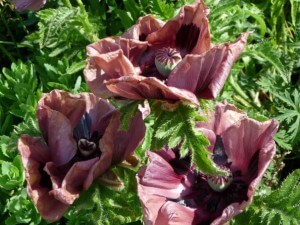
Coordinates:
[224,116]
[188,31]
[139,88]
[123,143]
[68,189]
[159,178]
[33,148]
[61,144]
[95,78]
[206,74]
[173,213]
[264,158]
[116,56]
[237,137]
[34,155]
[71,106]
[144,26]
[34,5]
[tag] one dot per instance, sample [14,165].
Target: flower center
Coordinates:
[166,59]
[86,147]
[220,183]
[87,141]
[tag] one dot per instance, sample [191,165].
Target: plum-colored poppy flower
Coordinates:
[34,5]
[81,140]
[173,192]
[169,61]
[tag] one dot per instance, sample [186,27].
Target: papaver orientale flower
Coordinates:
[81,140]
[173,192]
[155,60]
[34,5]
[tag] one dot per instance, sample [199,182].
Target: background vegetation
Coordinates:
[46,50]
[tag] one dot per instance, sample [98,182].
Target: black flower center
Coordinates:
[87,143]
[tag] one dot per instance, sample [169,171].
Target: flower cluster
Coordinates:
[172,62]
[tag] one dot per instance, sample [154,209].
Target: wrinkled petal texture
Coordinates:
[205,74]
[34,5]
[144,26]
[139,88]
[248,144]
[123,143]
[34,154]
[188,31]
[55,173]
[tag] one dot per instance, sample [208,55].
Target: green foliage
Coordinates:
[281,206]
[16,103]
[21,210]
[176,128]
[101,205]
[290,114]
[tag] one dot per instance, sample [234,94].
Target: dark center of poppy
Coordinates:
[166,60]
[220,183]
[87,142]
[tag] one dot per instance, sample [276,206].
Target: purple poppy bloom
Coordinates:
[173,192]
[170,61]
[81,140]
[34,5]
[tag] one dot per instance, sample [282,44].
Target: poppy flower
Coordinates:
[81,140]
[34,5]
[168,61]
[173,192]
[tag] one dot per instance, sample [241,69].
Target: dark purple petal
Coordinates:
[71,106]
[139,88]
[100,112]
[33,148]
[206,74]
[61,144]
[34,154]
[144,26]
[123,143]
[34,5]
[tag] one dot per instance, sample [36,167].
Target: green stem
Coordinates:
[67,3]
[11,58]
[81,5]
[241,93]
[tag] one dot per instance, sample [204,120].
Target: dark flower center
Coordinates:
[87,143]
[220,183]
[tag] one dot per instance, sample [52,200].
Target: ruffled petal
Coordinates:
[33,148]
[224,116]
[34,155]
[139,88]
[71,106]
[116,56]
[95,78]
[160,179]
[188,31]
[206,74]
[173,213]
[144,26]
[244,138]
[61,144]
[34,5]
